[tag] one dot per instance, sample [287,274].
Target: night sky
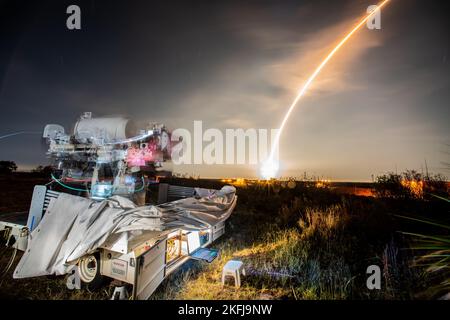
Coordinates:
[382,103]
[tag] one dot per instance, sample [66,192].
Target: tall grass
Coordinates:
[431,248]
[433,254]
[301,262]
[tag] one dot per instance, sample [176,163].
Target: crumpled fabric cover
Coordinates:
[74,226]
[212,206]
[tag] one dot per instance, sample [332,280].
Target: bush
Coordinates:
[410,185]
[7,167]
[43,170]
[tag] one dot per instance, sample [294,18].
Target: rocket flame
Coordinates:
[269,167]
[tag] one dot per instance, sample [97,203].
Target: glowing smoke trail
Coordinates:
[270,167]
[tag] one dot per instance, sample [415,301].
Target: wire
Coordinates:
[66,186]
[142,187]
[10,262]
[85,190]
[19,132]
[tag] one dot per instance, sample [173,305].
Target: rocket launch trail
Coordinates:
[270,166]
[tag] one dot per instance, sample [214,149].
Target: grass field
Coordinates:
[300,241]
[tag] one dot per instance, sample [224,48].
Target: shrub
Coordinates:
[410,185]
[7,167]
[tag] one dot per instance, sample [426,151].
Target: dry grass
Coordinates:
[296,243]
[48,288]
[281,265]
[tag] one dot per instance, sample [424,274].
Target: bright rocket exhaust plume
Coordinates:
[270,167]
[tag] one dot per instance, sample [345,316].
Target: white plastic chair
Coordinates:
[233,268]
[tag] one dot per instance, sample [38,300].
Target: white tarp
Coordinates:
[73,226]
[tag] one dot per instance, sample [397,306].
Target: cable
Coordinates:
[66,186]
[85,190]
[143,185]
[10,263]
[19,132]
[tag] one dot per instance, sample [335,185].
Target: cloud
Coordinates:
[257,86]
